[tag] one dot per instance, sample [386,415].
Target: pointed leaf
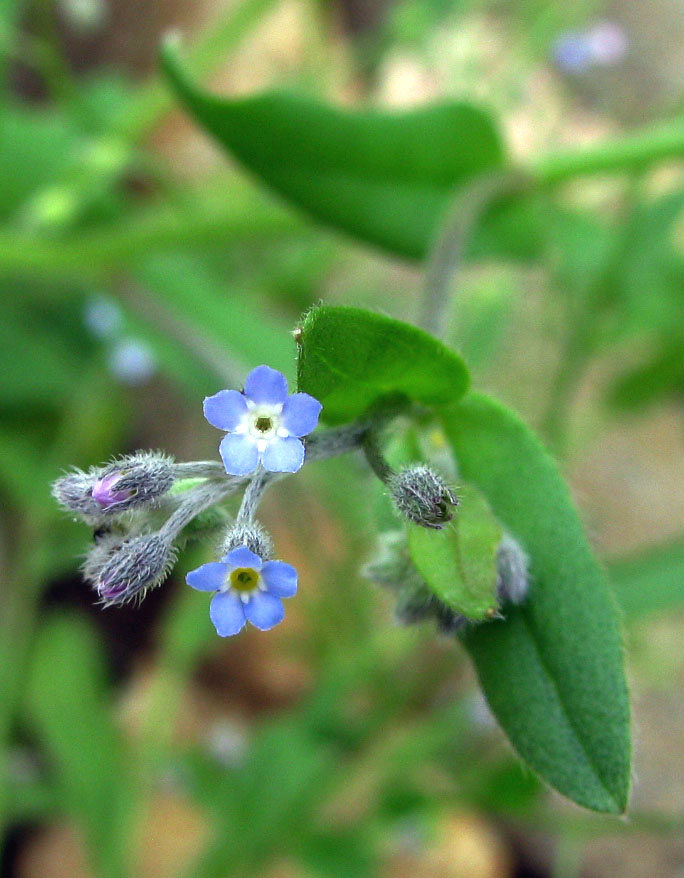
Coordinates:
[386,177]
[552,671]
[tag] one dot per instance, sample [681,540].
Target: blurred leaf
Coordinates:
[40,358]
[201,327]
[552,670]
[270,797]
[67,708]
[651,273]
[385,177]
[650,582]
[458,563]
[505,787]
[658,379]
[349,357]
[36,147]
[341,854]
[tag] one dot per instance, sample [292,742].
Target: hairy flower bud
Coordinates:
[421,496]
[512,571]
[134,480]
[394,569]
[126,483]
[252,535]
[74,492]
[122,569]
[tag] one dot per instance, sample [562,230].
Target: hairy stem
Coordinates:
[466,212]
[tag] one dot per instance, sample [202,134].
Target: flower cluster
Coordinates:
[144,506]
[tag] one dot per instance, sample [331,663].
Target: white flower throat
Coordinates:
[262,423]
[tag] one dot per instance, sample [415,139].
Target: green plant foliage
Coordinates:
[66,708]
[651,271]
[384,177]
[207,314]
[552,671]
[659,378]
[459,562]
[349,357]
[650,582]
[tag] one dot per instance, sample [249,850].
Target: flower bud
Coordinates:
[122,569]
[132,481]
[394,569]
[252,535]
[74,492]
[512,571]
[421,496]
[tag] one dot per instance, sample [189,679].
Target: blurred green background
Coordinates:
[138,266]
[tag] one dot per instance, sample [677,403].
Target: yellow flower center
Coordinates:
[244,579]
[263,425]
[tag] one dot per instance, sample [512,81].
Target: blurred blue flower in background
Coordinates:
[604,44]
[248,590]
[264,424]
[131,361]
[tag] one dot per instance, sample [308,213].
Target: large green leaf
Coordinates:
[385,177]
[348,358]
[552,670]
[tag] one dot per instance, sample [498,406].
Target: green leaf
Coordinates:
[215,319]
[385,177]
[552,671]
[659,378]
[650,582]
[458,563]
[348,358]
[67,708]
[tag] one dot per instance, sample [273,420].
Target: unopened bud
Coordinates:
[132,481]
[74,492]
[122,569]
[394,569]
[421,496]
[512,571]
[252,535]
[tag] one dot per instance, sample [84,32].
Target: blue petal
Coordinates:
[239,454]
[264,610]
[227,612]
[226,409]
[300,414]
[208,577]
[266,385]
[279,578]
[242,557]
[283,455]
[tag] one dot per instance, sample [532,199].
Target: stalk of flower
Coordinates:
[122,568]
[267,439]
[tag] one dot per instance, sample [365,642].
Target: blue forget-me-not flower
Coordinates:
[264,424]
[247,590]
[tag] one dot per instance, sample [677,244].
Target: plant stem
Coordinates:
[633,152]
[92,257]
[465,214]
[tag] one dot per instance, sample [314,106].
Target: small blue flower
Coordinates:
[264,425]
[248,590]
